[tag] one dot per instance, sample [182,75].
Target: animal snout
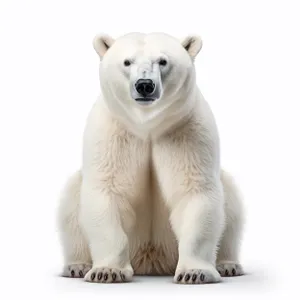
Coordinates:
[145,87]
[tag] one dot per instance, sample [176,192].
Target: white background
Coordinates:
[248,70]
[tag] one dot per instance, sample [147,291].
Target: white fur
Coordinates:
[151,197]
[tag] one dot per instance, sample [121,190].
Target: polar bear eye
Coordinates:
[127,63]
[162,62]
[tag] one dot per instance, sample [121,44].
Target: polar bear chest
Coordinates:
[153,246]
[127,169]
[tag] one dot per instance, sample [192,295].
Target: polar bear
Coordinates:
[150,197]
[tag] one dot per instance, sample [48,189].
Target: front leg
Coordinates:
[187,164]
[113,177]
[108,242]
[197,221]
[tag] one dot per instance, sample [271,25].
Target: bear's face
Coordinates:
[143,75]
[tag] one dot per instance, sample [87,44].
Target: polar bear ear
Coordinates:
[101,43]
[192,44]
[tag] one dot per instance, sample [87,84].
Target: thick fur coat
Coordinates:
[151,197]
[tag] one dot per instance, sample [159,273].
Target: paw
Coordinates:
[76,270]
[108,275]
[230,269]
[197,276]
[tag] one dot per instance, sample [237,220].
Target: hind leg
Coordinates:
[77,259]
[228,255]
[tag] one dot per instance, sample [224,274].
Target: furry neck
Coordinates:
[146,122]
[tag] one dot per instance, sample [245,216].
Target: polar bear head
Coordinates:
[148,79]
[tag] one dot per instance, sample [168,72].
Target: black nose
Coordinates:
[145,87]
